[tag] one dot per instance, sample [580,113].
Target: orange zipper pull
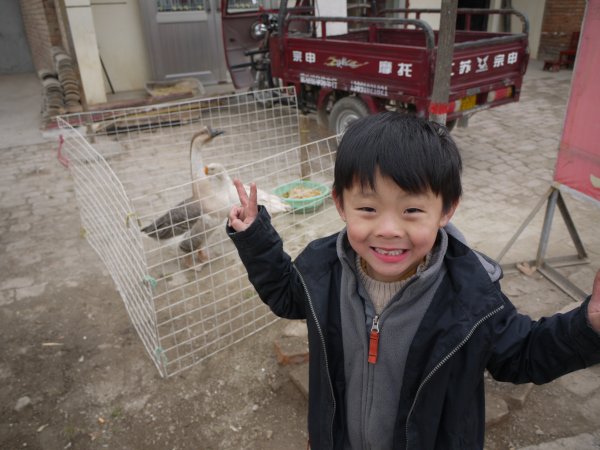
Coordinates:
[374,341]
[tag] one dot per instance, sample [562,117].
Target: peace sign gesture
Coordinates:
[241,216]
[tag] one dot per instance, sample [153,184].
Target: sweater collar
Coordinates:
[347,256]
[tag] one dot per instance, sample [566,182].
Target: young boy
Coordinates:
[403,318]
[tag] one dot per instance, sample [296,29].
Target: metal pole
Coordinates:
[550,208]
[443,62]
[560,201]
[524,224]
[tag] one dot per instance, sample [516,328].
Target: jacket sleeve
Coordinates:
[269,268]
[525,350]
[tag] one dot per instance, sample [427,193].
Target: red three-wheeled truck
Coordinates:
[378,59]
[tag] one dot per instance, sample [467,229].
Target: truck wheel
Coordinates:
[345,111]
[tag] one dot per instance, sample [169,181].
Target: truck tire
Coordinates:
[345,111]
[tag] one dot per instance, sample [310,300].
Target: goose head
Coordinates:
[217,169]
[205,135]
[218,173]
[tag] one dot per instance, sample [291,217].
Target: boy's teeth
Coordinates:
[388,252]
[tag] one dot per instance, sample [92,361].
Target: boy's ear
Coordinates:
[338,205]
[448,215]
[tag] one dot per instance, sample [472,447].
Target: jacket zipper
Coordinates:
[371,360]
[314,315]
[444,361]
[374,340]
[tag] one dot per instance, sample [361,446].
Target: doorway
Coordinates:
[478,22]
[184,39]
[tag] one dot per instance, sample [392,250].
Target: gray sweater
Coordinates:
[373,390]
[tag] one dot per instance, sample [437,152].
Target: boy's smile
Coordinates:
[388,254]
[392,230]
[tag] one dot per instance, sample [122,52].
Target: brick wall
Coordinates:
[42,30]
[561,19]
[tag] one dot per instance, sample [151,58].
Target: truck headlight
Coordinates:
[258,30]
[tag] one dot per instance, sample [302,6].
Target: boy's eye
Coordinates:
[413,210]
[366,209]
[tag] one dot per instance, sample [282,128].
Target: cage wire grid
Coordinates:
[187,294]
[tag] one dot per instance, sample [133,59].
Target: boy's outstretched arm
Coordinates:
[260,247]
[594,305]
[540,351]
[242,216]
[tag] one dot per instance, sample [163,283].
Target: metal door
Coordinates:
[184,39]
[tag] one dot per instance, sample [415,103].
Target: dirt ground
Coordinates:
[91,386]
[74,367]
[74,374]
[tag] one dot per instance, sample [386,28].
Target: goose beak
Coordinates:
[205,170]
[212,133]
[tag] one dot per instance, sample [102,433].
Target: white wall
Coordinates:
[335,8]
[121,43]
[431,19]
[534,11]
[86,49]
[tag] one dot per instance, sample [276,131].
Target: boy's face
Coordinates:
[392,230]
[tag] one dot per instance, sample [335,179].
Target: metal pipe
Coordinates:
[429,35]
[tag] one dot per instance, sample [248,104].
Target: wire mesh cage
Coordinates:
[153,186]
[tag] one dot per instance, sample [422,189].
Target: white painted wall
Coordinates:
[431,19]
[79,13]
[534,11]
[332,8]
[121,43]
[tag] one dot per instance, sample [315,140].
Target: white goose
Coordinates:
[191,219]
[223,184]
[182,217]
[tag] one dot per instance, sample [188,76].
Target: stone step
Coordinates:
[299,375]
[585,441]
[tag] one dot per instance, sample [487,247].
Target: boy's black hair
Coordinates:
[417,154]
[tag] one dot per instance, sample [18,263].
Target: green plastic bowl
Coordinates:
[303,205]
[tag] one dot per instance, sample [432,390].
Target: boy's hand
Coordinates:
[242,216]
[594,305]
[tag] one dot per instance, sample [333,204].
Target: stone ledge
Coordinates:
[585,441]
[291,350]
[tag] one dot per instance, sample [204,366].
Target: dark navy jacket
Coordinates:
[470,326]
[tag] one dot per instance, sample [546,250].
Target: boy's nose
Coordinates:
[390,226]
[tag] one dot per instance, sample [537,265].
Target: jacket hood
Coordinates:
[492,268]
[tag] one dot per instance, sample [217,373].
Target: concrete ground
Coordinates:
[20,110]
[508,154]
